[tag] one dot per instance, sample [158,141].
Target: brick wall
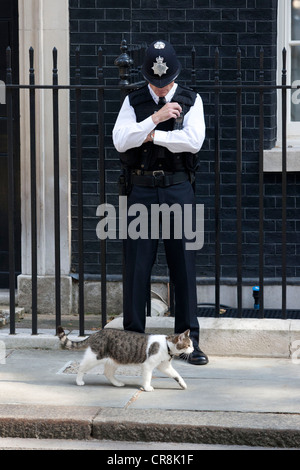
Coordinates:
[204,24]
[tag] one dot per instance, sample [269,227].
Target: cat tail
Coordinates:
[67,343]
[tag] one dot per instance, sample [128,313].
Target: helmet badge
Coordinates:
[160,67]
[159,45]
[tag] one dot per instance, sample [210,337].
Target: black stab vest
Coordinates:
[155,157]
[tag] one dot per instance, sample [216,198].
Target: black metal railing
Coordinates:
[129,69]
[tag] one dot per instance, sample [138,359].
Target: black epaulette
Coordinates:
[185,96]
[142,95]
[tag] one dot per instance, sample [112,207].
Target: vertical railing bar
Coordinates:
[217,184]
[193,73]
[148,301]
[138,64]
[11,195]
[193,83]
[102,183]
[171,299]
[284,182]
[122,97]
[79,196]
[135,63]
[123,62]
[239,185]
[141,59]
[261,185]
[56,191]
[33,194]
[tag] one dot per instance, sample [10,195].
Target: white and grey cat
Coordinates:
[119,347]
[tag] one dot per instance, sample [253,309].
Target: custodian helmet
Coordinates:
[161,65]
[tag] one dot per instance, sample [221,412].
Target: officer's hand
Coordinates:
[168,111]
[149,138]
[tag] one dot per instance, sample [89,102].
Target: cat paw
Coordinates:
[80,382]
[118,384]
[148,388]
[181,382]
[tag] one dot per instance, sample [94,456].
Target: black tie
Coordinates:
[161,102]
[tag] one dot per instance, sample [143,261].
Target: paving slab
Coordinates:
[34,377]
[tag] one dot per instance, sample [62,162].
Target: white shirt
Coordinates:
[127,133]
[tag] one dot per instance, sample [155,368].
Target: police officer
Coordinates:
[158,132]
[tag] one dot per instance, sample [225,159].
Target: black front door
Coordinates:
[9,37]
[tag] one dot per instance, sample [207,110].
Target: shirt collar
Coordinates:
[168,97]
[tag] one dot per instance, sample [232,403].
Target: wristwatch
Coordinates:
[152,135]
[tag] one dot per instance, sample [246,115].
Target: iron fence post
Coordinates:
[33,193]
[284,181]
[11,191]
[56,189]
[217,184]
[79,194]
[239,183]
[102,177]
[261,185]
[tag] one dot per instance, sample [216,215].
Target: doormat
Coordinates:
[247,313]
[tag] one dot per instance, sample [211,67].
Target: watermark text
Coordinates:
[159,220]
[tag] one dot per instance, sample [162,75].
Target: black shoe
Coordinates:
[197,357]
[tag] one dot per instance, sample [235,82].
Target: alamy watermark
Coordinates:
[159,220]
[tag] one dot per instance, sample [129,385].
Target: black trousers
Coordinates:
[140,255]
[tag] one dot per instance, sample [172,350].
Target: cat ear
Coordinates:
[183,335]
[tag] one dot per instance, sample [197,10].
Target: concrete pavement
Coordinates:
[252,401]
